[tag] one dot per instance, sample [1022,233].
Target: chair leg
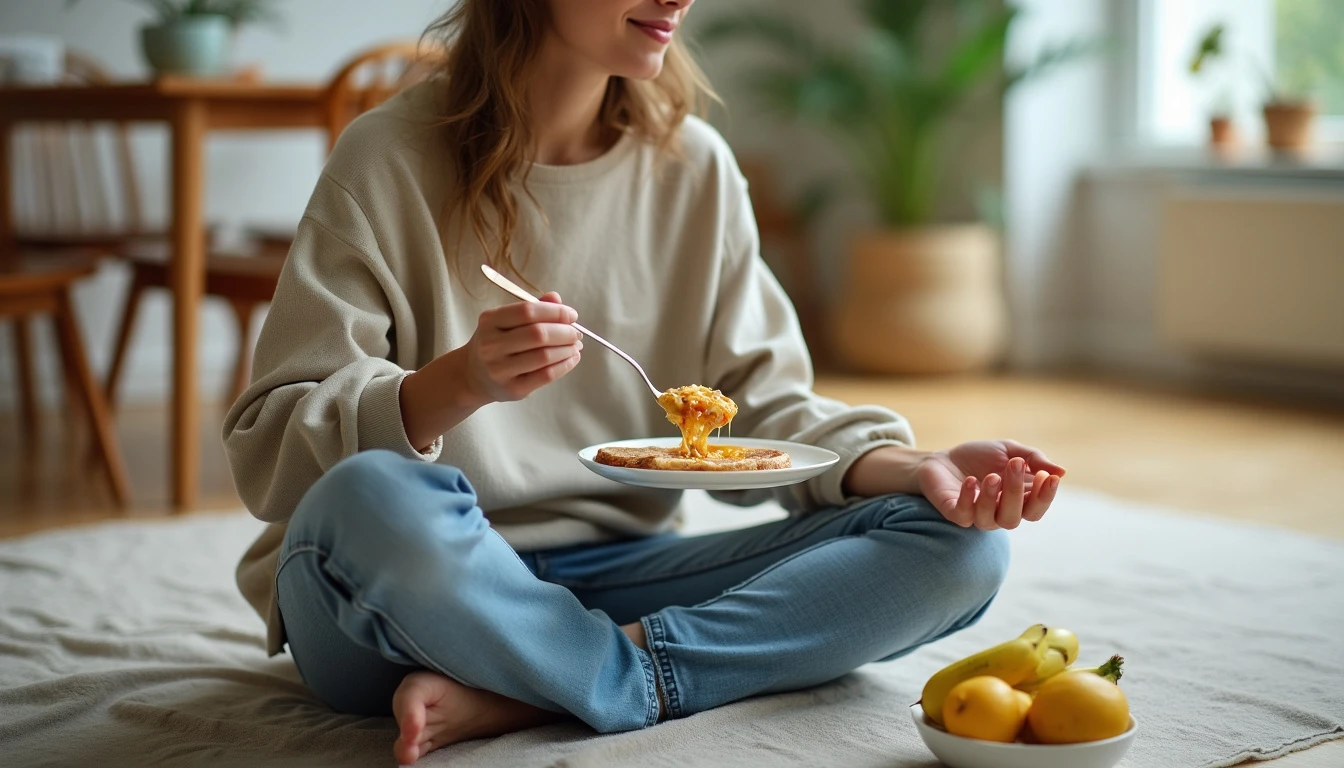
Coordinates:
[242,364]
[81,377]
[128,316]
[23,353]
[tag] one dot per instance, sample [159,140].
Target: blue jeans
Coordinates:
[389,566]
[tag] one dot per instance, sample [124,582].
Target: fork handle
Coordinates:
[495,277]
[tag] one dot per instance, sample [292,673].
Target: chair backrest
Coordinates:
[373,76]
[75,182]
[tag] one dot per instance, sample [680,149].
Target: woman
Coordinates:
[437,552]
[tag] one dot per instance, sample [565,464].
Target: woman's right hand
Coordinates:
[517,349]
[521,347]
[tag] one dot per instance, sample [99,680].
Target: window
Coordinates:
[1309,50]
[1297,45]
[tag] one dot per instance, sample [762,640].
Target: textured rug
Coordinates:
[126,644]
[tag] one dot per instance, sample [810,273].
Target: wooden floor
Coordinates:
[1250,460]
[1244,459]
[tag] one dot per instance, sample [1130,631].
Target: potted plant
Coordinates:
[922,296]
[1222,130]
[195,37]
[1288,111]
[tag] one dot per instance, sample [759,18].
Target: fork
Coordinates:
[495,277]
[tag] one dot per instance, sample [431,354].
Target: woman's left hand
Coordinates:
[989,483]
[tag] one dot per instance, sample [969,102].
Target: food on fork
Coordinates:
[697,411]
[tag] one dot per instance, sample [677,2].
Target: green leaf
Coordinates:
[1210,46]
[902,19]
[981,53]
[1055,56]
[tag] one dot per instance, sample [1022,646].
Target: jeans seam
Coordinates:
[299,547]
[650,686]
[822,519]
[656,635]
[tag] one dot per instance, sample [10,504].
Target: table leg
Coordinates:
[187,276]
[6,190]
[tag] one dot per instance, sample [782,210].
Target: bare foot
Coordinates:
[434,711]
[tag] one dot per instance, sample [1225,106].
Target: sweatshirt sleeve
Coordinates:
[757,356]
[323,384]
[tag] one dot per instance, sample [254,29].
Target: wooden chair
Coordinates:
[61,230]
[247,281]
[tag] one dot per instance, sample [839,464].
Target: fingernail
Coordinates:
[992,481]
[578,346]
[1052,483]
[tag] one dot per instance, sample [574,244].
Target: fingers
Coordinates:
[521,313]
[1036,460]
[536,359]
[987,503]
[529,337]
[1010,506]
[526,384]
[963,514]
[1042,494]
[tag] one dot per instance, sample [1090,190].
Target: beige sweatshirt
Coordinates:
[660,258]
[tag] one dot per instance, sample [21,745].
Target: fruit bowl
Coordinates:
[961,752]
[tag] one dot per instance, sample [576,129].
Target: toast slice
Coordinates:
[721,459]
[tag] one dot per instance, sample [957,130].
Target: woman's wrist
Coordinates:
[883,470]
[437,398]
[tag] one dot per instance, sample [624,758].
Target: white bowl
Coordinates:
[961,752]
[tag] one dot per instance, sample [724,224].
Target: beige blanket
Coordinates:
[1233,635]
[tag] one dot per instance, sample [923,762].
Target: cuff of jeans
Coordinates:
[655,633]
[651,682]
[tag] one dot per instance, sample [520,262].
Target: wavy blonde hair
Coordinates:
[491,47]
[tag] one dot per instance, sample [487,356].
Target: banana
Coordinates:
[1063,641]
[1012,662]
[1052,663]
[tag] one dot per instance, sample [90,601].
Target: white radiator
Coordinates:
[1255,276]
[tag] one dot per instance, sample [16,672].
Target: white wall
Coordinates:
[1053,128]
[262,178]
[1120,226]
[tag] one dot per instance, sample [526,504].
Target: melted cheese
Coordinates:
[697,411]
[727,452]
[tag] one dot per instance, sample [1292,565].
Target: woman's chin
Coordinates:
[642,68]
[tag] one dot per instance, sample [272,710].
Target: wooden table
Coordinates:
[191,108]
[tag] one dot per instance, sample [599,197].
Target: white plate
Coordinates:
[808,461]
[961,752]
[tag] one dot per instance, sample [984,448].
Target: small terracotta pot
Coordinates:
[923,301]
[1223,133]
[1288,124]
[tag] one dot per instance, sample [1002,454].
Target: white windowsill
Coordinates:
[1324,162]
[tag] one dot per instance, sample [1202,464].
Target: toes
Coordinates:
[405,752]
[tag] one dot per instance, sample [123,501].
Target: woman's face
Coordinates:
[625,38]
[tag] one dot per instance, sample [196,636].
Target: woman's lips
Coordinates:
[658,30]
